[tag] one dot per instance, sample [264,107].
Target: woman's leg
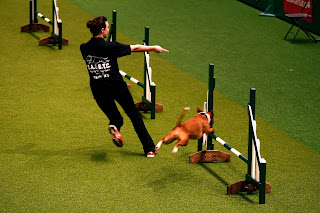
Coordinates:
[125,99]
[110,109]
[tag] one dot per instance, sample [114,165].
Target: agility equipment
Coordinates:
[112,36]
[270,11]
[148,102]
[255,179]
[56,34]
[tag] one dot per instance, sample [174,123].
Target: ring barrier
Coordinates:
[148,102]
[56,22]
[255,178]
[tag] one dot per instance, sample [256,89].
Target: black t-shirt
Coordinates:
[101,59]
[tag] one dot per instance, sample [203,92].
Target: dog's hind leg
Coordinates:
[175,150]
[168,139]
[158,145]
[182,142]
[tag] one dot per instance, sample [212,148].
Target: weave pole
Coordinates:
[208,106]
[148,102]
[112,36]
[255,179]
[210,154]
[56,22]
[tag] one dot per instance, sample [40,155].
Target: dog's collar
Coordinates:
[206,115]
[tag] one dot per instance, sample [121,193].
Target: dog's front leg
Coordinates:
[208,130]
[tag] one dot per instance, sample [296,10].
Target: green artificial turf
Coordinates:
[56,154]
[248,51]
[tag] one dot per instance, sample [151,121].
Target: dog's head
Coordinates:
[210,113]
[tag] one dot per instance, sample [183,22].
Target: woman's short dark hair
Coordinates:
[97,24]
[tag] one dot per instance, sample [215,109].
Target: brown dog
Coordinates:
[191,129]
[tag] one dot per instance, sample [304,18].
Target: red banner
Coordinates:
[296,6]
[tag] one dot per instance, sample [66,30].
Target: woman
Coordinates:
[107,84]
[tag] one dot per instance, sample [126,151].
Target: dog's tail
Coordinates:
[183,113]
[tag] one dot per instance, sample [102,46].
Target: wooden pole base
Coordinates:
[141,106]
[243,186]
[209,156]
[52,40]
[35,27]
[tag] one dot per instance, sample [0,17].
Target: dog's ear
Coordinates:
[199,110]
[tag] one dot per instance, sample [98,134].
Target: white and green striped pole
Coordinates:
[44,18]
[233,150]
[131,79]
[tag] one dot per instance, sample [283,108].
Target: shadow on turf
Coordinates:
[38,38]
[128,153]
[99,156]
[301,41]
[95,153]
[223,181]
[167,177]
